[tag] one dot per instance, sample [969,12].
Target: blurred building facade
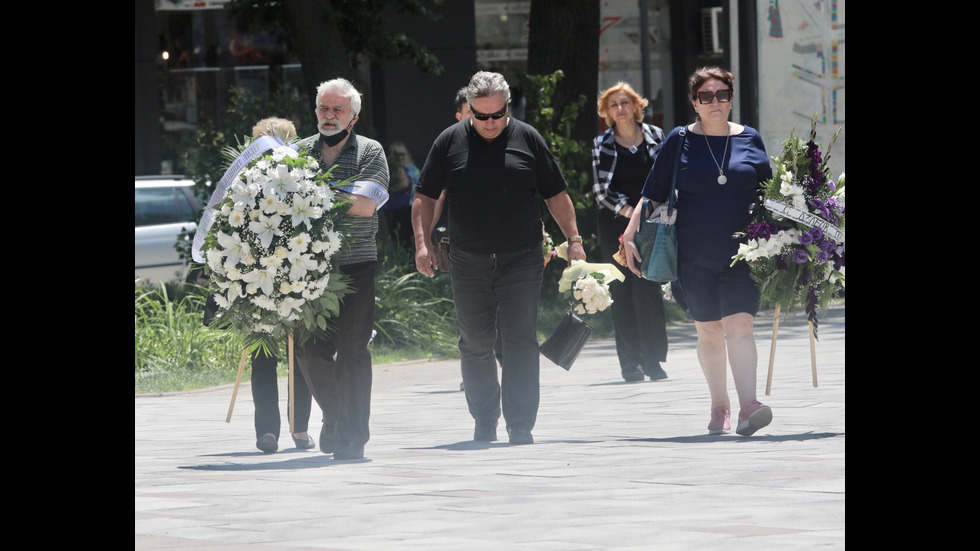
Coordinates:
[788,57]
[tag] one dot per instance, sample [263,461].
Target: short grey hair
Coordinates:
[341,87]
[485,84]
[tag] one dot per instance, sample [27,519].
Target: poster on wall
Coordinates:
[801,73]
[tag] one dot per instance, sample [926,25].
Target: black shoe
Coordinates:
[520,435]
[304,444]
[656,373]
[486,431]
[267,443]
[328,437]
[633,377]
[349,450]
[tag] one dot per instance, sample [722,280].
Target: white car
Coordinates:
[164,207]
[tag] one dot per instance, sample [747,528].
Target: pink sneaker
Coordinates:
[720,421]
[752,418]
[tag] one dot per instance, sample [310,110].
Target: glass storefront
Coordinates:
[203,53]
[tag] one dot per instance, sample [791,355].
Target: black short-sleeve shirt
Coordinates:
[492,188]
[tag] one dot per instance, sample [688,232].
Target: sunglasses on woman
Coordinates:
[724,96]
[482,117]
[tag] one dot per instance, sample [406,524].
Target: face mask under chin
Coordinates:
[335,138]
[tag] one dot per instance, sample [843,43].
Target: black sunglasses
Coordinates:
[495,116]
[724,96]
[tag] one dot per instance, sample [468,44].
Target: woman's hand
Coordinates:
[632,253]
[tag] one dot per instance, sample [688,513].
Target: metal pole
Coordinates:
[645,48]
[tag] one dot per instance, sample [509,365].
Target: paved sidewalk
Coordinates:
[615,465]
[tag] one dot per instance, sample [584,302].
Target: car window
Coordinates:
[155,206]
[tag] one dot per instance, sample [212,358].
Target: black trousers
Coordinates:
[499,294]
[338,371]
[265,396]
[639,319]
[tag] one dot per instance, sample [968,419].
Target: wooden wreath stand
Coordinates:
[772,351]
[292,385]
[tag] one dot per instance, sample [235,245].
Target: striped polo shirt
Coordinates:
[364,158]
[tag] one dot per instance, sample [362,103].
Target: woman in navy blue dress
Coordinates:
[721,169]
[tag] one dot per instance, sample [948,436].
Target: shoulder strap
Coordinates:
[682,132]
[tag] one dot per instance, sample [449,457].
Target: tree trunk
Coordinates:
[564,34]
[318,43]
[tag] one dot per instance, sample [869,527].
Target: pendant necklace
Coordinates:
[721,173]
[633,148]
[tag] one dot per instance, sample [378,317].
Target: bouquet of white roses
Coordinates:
[795,245]
[591,294]
[270,246]
[586,285]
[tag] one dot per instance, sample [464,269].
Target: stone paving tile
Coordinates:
[615,465]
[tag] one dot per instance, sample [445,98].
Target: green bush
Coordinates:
[174,351]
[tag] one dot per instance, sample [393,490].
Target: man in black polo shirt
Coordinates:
[494,169]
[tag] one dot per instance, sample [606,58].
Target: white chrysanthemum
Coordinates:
[329,199]
[279,153]
[221,301]
[236,218]
[299,243]
[272,262]
[269,203]
[329,247]
[266,228]
[265,302]
[215,260]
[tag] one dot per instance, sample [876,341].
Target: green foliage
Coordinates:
[412,310]
[570,155]
[174,351]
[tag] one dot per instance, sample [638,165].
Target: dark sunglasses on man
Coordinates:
[724,96]
[482,117]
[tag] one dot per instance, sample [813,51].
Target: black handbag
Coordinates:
[564,343]
[655,241]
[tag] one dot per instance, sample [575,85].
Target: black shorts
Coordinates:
[713,294]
